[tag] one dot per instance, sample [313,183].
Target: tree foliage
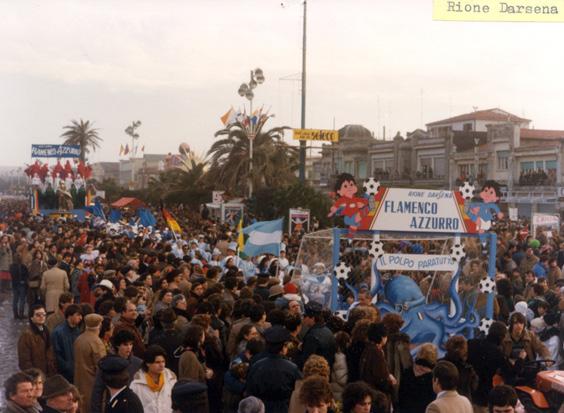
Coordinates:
[83,134]
[274,161]
[272,203]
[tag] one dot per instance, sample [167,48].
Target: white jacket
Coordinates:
[154,402]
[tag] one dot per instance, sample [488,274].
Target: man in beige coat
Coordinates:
[53,283]
[88,350]
[445,381]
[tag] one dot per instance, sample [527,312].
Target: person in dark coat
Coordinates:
[319,338]
[34,345]
[20,275]
[487,358]
[122,343]
[190,397]
[168,338]
[63,338]
[373,367]
[457,354]
[359,340]
[272,378]
[418,380]
[117,397]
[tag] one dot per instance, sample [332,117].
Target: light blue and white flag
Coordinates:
[263,238]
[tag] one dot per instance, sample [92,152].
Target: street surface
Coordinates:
[9,332]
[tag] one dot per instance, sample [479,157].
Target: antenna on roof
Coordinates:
[475,108]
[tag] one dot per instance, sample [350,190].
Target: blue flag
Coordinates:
[146,218]
[264,238]
[115,216]
[96,209]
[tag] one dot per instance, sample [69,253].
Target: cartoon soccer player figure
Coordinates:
[348,205]
[482,212]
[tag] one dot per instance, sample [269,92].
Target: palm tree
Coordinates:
[83,134]
[274,161]
[183,184]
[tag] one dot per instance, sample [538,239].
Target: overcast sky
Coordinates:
[177,65]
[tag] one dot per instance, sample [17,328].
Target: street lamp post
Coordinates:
[302,124]
[476,161]
[246,90]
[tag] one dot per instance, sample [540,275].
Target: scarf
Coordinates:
[155,387]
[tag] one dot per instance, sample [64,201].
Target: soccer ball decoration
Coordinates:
[467,190]
[376,249]
[371,186]
[485,324]
[342,271]
[457,252]
[487,285]
[342,314]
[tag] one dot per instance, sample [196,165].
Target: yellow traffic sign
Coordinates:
[326,135]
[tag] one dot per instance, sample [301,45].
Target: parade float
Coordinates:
[405,249]
[59,190]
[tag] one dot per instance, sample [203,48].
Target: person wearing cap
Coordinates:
[57,395]
[63,338]
[117,397]
[215,258]
[122,344]
[318,339]
[88,349]
[19,394]
[272,378]
[231,255]
[53,283]
[190,397]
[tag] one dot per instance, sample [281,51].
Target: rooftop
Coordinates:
[494,115]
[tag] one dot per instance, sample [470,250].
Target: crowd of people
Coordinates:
[134,323]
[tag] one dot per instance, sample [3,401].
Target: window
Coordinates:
[503,160]
[467,127]
[349,167]
[550,165]
[361,169]
[527,166]
[440,167]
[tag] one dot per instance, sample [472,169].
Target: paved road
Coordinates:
[9,333]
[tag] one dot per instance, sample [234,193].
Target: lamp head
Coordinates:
[249,94]
[259,75]
[243,89]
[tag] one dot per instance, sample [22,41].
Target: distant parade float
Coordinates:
[61,190]
[403,251]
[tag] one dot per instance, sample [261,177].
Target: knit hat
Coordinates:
[93,320]
[290,288]
[55,386]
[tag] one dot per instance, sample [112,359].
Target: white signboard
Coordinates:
[217,197]
[416,262]
[513,214]
[404,209]
[547,221]
[299,220]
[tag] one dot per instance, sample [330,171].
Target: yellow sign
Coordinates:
[325,135]
[499,11]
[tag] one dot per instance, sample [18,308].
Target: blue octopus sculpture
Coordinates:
[423,322]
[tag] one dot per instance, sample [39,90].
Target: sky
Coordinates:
[176,66]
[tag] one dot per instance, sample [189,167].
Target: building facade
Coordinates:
[476,146]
